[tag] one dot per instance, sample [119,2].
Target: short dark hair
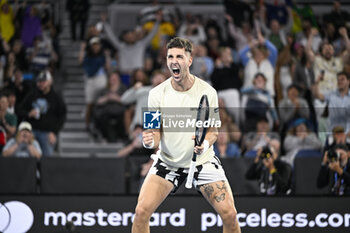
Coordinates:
[345,74]
[181,43]
[293,85]
[260,74]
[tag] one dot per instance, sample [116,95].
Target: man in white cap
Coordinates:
[45,110]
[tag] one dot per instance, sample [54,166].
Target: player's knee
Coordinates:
[142,214]
[229,216]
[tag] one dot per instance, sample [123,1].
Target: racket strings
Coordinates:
[203,113]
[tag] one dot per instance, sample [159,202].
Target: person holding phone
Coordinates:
[171,163]
[24,144]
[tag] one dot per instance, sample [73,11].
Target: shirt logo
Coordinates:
[151,119]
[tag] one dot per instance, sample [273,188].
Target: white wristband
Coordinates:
[150,146]
[205,146]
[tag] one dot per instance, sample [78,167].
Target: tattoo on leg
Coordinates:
[208,190]
[222,188]
[220,198]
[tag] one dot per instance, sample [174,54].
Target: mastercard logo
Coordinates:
[15,217]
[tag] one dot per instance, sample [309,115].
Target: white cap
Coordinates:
[44,76]
[25,126]
[94,40]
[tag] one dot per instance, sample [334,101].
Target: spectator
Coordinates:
[326,66]
[192,29]
[276,10]
[96,64]
[275,33]
[263,136]
[9,68]
[167,27]
[338,103]
[31,27]
[257,102]
[135,147]
[7,28]
[202,65]
[139,75]
[240,11]
[138,95]
[327,63]
[228,123]
[332,36]
[242,36]
[284,70]
[78,13]
[149,65]
[338,17]
[20,87]
[131,50]
[223,147]
[8,121]
[20,54]
[24,144]
[213,46]
[226,79]
[292,107]
[335,167]
[41,55]
[338,136]
[263,60]
[273,174]
[11,99]
[226,74]
[304,75]
[307,31]
[45,110]
[299,137]
[109,110]
[4,46]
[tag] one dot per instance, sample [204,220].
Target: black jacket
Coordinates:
[325,175]
[277,183]
[226,77]
[52,110]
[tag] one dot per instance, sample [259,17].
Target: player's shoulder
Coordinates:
[205,86]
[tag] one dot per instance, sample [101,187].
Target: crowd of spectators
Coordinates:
[31,112]
[281,74]
[280,69]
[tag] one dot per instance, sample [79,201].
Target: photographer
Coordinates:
[338,136]
[273,174]
[24,145]
[335,167]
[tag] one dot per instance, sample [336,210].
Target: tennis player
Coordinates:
[170,166]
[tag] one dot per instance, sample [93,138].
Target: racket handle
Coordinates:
[188,184]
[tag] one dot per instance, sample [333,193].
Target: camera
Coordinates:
[332,155]
[266,152]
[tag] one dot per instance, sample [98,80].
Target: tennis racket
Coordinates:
[202,115]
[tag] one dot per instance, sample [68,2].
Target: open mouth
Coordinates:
[176,71]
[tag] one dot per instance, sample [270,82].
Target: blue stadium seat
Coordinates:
[309,153]
[250,154]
